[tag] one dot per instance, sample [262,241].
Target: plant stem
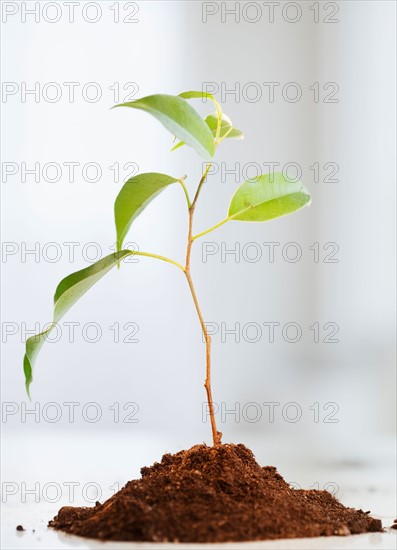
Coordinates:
[157,257]
[186,192]
[210,229]
[225,135]
[233,217]
[216,436]
[200,185]
[219,123]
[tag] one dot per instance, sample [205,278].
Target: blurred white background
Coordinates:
[343,66]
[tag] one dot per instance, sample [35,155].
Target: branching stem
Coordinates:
[210,229]
[216,436]
[189,204]
[233,217]
[157,257]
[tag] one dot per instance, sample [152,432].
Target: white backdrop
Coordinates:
[342,126]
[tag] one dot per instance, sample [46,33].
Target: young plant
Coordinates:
[260,199]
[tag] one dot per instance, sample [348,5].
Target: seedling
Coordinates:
[260,199]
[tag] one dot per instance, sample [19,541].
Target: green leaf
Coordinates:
[134,196]
[68,292]
[267,197]
[197,95]
[206,95]
[179,118]
[179,144]
[227,128]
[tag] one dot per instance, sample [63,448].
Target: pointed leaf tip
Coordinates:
[134,197]
[68,292]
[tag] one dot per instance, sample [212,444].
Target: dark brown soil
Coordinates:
[213,494]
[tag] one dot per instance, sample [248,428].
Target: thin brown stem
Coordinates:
[216,436]
[200,185]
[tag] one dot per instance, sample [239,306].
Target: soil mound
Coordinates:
[213,494]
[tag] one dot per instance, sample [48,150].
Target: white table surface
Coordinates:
[81,460]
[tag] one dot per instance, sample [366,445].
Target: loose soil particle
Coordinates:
[213,494]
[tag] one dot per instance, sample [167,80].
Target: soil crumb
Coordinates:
[213,494]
